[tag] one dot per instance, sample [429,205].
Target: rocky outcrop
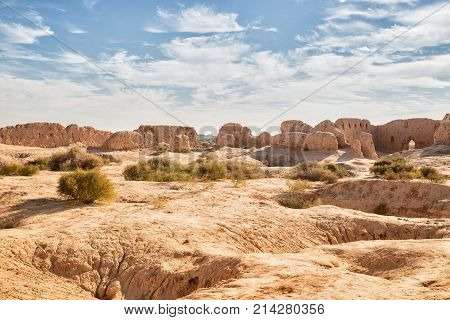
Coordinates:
[295,126]
[328,126]
[234,135]
[52,135]
[124,140]
[321,141]
[442,133]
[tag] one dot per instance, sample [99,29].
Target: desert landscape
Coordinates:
[341,210]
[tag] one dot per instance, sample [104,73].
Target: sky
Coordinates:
[115,64]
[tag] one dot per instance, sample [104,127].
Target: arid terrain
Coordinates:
[216,240]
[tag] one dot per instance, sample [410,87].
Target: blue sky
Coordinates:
[212,62]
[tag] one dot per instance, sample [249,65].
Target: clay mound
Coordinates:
[321,141]
[328,126]
[398,198]
[364,270]
[236,136]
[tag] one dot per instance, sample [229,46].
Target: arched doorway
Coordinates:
[411,144]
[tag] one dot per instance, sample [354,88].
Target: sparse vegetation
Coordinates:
[338,169]
[86,186]
[13,169]
[158,169]
[313,172]
[432,174]
[207,168]
[182,150]
[162,148]
[296,197]
[298,186]
[22,155]
[394,168]
[42,163]
[109,158]
[74,159]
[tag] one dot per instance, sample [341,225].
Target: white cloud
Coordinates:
[75,30]
[197,19]
[18,33]
[90,4]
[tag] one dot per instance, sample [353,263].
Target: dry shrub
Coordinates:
[160,202]
[296,197]
[432,174]
[208,170]
[42,163]
[394,168]
[86,186]
[109,158]
[13,169]
[74,159]
[298,186]
[294,201]
[158,169]
[182,150]
[338,169]
[313,172]
[205,169]
[22,155]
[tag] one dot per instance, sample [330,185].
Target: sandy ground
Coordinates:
[217,241]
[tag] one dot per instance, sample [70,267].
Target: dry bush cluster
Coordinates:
[207,168]
[86,186]
[297,196]
[397,168]
[328,172]
[13,169]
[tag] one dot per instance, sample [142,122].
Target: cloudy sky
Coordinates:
[116,64]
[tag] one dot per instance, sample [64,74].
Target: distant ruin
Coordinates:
[358,136]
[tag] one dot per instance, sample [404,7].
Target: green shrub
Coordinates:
[338,169]
[73,159]
[12,169]
[313,172]
[86,186]
[42,163]
[394,168]
[432,174]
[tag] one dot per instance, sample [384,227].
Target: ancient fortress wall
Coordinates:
[396,135]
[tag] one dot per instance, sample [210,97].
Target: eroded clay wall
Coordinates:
[52,135]
[396,135]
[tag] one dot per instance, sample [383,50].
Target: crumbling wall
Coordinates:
[52,135]
[396,135]
[442,133]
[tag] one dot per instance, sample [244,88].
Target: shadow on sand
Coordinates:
[15,214]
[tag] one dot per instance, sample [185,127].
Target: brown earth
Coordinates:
[217,241]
